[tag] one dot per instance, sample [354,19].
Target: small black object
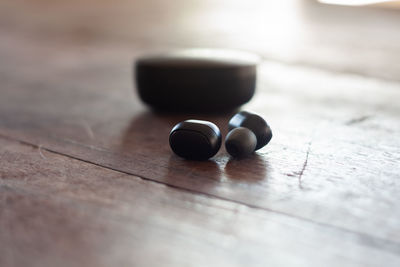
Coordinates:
[255,123]
[195,139]
[240,142]
[199,80]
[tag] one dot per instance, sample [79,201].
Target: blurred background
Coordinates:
[354,36]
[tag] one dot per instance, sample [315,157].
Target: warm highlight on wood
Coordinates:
[87,177]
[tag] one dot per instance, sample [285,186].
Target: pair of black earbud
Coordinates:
[200,140]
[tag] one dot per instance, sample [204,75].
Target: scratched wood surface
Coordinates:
[91,216]
[87,176]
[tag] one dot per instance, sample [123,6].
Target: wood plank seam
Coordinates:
[371,240]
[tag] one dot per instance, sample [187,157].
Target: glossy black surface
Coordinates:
[196,80]
[240,142]
[195,139]
[255,123]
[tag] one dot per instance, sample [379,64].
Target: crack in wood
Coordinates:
[358,119]
[373,241]
[300,173]
[305,162]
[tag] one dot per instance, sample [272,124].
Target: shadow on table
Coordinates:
[147,133]
[251,169]
[145,144]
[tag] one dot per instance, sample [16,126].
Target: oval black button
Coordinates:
[195,139]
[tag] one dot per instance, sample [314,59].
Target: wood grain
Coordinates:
[328,181]
[91,216]
[321,165]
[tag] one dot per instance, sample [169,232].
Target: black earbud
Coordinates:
[240,142]
[200,140]
[243,127]
[195,139]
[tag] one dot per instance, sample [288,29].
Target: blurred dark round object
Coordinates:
[205,80]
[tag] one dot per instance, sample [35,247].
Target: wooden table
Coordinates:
[86,174]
